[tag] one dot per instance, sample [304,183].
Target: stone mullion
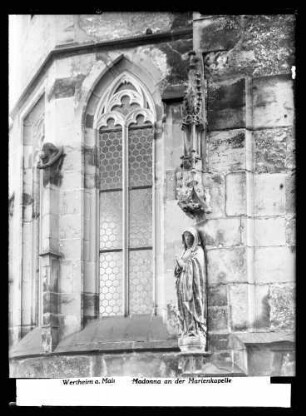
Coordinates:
[154,282]
[159,229]
[125,218]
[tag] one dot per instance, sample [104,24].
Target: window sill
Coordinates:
[120,334]
[108,335]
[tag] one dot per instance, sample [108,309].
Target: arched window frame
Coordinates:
[105,112]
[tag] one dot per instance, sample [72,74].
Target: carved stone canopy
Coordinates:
[192,197]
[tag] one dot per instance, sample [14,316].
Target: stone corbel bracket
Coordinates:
[192,197]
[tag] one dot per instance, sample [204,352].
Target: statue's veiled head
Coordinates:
[190,238]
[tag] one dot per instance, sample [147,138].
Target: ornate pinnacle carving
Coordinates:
[192,197]
[193,98]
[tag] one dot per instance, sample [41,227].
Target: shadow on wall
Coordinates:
[264,320]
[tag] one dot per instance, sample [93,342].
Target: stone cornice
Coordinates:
[73,49]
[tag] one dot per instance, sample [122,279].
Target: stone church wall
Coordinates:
[250,234]
[248,174]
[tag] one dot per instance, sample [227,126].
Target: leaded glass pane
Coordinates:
[138,276]
[140,217]
[110,159]
[111,291]
[140,281]
[140,156]
[111,220]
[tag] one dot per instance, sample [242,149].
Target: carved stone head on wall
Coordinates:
[51,157]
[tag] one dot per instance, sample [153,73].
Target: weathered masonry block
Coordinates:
[282,311]
[239,306]
[226,151]
[65,87]
[227,265]
[236,194]
[226,104]
[270,231]
[223,232]
[273,101]
[274,150]
[254,45]
[217,33]
[217,295]
[270,194]
[215,183]
[217,319]
[274,264]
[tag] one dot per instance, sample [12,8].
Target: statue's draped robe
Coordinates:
[191,288]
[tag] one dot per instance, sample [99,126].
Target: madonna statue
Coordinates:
[191,291]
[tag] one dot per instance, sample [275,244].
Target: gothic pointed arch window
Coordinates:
[125,123]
